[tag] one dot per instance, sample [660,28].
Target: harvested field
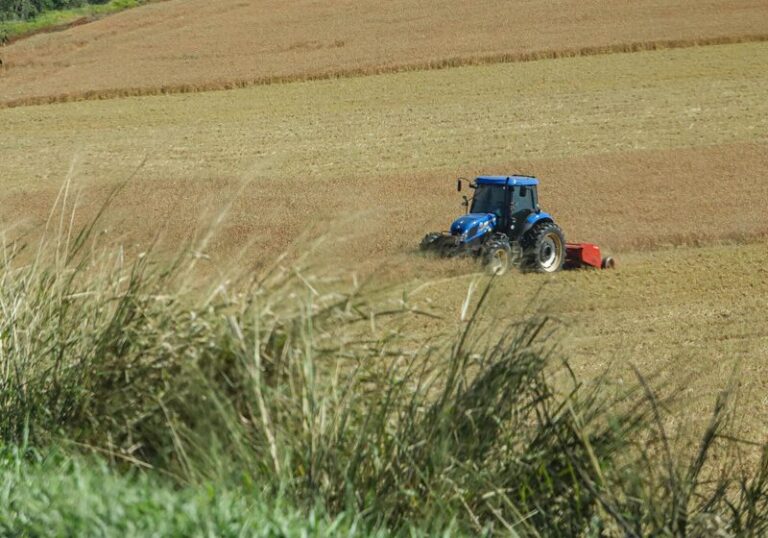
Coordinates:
[676,139]
[640,151]
[625,201]
[692,319]
[192,45]
[262,381]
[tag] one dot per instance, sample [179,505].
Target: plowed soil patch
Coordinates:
[190,45]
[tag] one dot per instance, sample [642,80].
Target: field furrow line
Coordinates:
[382,69]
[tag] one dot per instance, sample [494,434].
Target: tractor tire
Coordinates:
[429,240]
[497,257]
[544,248]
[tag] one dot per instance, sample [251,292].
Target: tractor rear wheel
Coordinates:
[497,258]
[545,248]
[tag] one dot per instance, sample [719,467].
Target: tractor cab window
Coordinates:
[522,199]
[488,199]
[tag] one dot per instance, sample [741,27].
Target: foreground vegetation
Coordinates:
[195,403]
[61,495]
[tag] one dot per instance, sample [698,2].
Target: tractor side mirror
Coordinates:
[458,185]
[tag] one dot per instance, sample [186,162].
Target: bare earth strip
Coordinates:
[194,45]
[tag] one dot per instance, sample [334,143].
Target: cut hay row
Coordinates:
[437,64]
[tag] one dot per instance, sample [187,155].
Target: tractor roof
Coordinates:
[523,181]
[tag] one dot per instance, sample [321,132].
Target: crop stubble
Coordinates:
[193,45]
[690,319]
[634,151]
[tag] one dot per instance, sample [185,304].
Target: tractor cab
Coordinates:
[510,199]
[504,226]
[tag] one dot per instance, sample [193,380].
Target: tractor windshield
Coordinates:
[488,199]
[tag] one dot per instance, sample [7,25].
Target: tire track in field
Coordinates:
[437,64]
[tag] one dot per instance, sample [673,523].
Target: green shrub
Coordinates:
[29,9]
[58,495]
[22,17]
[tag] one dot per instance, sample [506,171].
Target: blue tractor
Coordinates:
[503,227]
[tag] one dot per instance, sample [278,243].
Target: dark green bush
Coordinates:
[28,9]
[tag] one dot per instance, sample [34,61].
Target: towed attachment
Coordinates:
[579,255]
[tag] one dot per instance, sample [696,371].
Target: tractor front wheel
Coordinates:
[545,248]
[429,241]
[498,258]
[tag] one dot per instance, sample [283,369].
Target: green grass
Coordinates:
[61,495]
[52,19]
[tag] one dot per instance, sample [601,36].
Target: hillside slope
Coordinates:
[185,45]
[634,150]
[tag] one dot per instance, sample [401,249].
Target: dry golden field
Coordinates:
[188,45]
[634,150]
[693,319]
[660,156]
